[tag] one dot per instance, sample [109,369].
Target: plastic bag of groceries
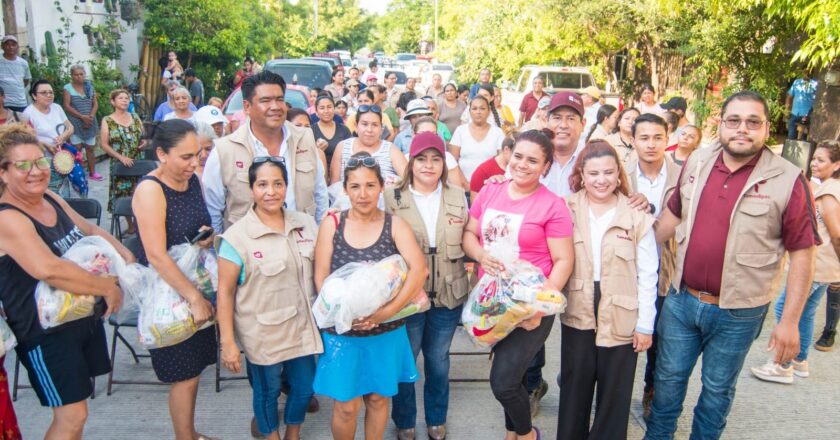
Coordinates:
[134,280]
[419,304]
[93,254]
[7,338]
[498,304]
[165,317]
[356,290]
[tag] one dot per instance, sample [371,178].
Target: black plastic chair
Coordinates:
[140,168]
[121,209]
[87,208]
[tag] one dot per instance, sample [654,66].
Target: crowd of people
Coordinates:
[620,208]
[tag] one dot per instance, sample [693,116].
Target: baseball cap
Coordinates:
[351,82]
[566,99]
[675,103]
[543,103]
[591,91]
[424,141]
[417,107]
[210,115]
[371,77]
[9,38]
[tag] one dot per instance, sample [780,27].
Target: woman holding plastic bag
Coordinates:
[36,228]
[523,217]
[437,213]
[170,210]
[265,292]
[367,363]
[612,295]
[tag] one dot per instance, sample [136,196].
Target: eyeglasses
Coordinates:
[46,93]
[752,124]
[42,163]
[355,162]
[370,108]
[272,159]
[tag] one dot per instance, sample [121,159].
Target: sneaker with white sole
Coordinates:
[800,368]
[773,372]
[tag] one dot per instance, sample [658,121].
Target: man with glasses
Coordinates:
[267,133]
[737,209]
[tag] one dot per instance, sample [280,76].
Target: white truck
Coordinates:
[556,79]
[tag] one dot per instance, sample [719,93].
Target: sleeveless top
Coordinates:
[83,104]
[343,253]
[17,288]
[186,212]
[382,156]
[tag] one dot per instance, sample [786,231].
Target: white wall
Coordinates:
[35,17]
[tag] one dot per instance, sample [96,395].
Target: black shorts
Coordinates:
[61,364]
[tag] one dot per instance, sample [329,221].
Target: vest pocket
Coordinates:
[457,285]
[624,315]
[454,237]
[272,268]
[278,329]
[756,259]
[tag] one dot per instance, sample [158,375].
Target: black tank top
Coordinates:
[17,288]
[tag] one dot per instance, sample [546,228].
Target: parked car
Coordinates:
[402,58]
[556,79]
[307,73]
[333,62]
[233,109]
[416,68]
[446,71]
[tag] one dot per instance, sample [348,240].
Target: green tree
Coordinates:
[819,20]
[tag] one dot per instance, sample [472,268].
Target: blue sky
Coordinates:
[376,6]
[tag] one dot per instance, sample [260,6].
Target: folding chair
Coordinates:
[121,209]
[87,208]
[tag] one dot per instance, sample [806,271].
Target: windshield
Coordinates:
[406,57]
[442,67]
[565,80]
[295,98]
[307,75]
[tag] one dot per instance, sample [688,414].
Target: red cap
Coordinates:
[566,99]
[424,141]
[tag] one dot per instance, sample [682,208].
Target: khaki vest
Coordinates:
[447,284]
[754,248]
[828,264]
[272,311]
[236,153]
[667,250]
[618,310]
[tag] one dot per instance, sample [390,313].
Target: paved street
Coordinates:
[805,410]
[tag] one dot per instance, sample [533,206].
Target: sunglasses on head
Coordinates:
[355,162]
[42,163]
[370,108]
[272,159]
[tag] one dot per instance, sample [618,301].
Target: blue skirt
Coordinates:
[353,366]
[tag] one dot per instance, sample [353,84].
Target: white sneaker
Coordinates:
[773,372]
[800,369]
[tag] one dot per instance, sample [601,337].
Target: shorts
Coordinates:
[77,140]
[60,366]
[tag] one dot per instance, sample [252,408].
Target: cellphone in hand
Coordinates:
[202,235]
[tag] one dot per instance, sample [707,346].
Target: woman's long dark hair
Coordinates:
[489,88]
[604,112]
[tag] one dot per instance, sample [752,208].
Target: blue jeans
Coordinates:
[432,332]
[686,329]
[806,321]
[266,383]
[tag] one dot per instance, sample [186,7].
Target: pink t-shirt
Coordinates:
[523,225]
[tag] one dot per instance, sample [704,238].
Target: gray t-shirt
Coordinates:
[197,89]
[12,75]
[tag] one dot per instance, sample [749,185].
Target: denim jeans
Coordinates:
[431,332]
[265,382]
[806,321]
[688,328]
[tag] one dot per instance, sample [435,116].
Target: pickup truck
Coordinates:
[556,79]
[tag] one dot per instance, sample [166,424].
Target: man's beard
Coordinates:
[740,154]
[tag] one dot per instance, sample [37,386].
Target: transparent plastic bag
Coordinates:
[165,317]
[357,290]
[7,338]
[134,280]
[498,304]
[93,254]
[419,304]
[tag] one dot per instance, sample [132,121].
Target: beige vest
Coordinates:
[828,264]
[754,248]
[236,153]
[667,250]
[447,284]
[618,310]
[272,312]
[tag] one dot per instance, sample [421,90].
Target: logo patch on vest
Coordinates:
[239,164]
[300,151]
[258,254]
[624,235]
[456,221]
[757,194]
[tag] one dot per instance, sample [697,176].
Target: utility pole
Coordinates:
[9,19]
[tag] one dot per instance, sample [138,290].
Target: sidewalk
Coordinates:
[805,410]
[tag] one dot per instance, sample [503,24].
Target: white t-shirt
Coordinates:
[171,115]
[45,124]
[12,75]
[473,152]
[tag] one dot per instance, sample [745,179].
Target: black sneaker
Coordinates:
[826,341]
[536,396]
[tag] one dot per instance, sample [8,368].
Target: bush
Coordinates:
[105,79]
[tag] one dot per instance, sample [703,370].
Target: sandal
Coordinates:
[204,437]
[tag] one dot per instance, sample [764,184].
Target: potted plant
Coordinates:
[130,11]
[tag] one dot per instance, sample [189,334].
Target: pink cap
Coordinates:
[424,141]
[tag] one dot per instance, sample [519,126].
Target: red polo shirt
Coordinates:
[703,266]
[529,105]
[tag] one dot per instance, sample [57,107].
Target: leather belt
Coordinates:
[704,297]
